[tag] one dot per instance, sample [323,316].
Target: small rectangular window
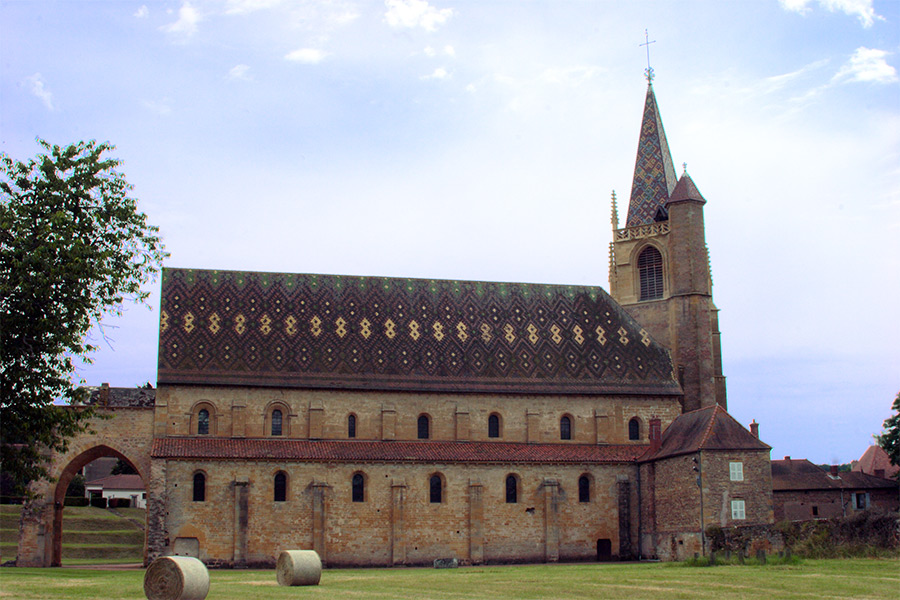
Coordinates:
[737,510]
[736,471]
[861,501]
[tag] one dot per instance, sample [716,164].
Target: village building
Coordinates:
[389,421]
[804,491]
[118,491]
[875,461]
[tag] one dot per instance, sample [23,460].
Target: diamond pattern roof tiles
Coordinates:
[654,174]
[328,331]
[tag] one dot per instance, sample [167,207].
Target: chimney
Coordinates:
[834,470]
[787,458]
[104,394]
[655,434]
[754,429]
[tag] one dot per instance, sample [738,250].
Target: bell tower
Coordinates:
[659,265]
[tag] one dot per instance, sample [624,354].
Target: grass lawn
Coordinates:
[810,580]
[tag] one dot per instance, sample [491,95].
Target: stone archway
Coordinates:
[125,433]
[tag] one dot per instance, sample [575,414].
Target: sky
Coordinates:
[482,141]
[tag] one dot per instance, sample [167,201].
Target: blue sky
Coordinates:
[482,140]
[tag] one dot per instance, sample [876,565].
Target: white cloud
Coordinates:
[309,56]
[40,91]
[449,51]
[867,64]
[415,13]
[160,107]
[188,18]
[568,75]
[429,51]
[240,73]
[240,7]
[143,12]
[861,9]
[439,73]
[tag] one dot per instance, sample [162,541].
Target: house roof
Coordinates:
[685,189]
[390,451]
[330,331]
[133,397]
[118,482]
[792,474]
[654,174]
[876,459]
[710,428]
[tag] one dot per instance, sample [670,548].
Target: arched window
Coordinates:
[276,422]
[650,269]
[512,489]
[423,427]
[280,486]
[494,426]
[634,429]
[436,488]
[565,428]
[584,489]
[359,487]
[203,422]
[199,487]
[351,426]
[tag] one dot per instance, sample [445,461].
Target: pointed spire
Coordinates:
[654,174]
[685,189]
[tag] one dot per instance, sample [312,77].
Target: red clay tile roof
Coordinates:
[118,482]
[710,428]
[330,331]
[200,448]
[801,474]
[875,459]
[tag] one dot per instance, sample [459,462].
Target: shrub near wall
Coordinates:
[865,533]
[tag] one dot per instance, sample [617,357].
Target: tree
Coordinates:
[73,248]
[890,436]
[122,468]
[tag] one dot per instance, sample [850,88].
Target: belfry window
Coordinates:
[199,487]
[650,268]
[203,422]
[423,427]
[280,485]
[351,426]
[276,422]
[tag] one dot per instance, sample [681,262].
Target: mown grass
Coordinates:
[90,535]
[813,579]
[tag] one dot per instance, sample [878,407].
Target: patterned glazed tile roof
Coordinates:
[389,451]
[654,174]
[801,474]
[710,428]
[327,331]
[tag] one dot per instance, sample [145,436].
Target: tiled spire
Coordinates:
[654,173]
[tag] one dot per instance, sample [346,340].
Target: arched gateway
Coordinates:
[123,428]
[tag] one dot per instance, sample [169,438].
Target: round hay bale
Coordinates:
[298,567]
[176,578]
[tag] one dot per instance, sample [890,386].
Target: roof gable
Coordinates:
[801,474]
[328,331]
[710,428]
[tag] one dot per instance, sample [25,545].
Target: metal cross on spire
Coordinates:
[648,73]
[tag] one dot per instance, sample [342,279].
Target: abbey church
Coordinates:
[385,421]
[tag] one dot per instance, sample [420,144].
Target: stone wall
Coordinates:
[396,523]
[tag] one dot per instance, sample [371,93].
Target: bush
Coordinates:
[76,501]
[98,502]
[119,502]
[864,533]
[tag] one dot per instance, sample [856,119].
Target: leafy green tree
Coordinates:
[890,436]
[73,248]
[122,468]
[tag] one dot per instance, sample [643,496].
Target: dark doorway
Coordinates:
[604,550]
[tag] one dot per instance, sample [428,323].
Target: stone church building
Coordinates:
[385,421]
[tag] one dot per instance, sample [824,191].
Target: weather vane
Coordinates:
[648,73]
